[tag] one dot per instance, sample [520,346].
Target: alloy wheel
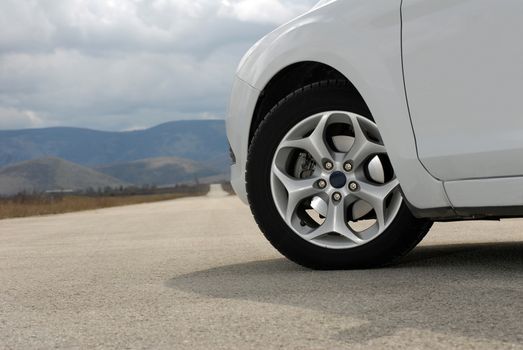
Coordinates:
[332,182]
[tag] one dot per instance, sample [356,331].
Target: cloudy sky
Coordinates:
[125,64]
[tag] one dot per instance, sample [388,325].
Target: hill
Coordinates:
[199,140]
[160,171]
[51,174]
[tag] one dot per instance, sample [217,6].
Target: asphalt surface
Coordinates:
[197,274]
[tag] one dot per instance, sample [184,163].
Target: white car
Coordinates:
[358,124]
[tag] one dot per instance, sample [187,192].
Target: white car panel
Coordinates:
[463,64]
[500,192]
[241,109]
[363,43]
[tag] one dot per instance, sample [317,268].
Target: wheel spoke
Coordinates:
[336,222]
[334,215]
[376,196]
[388,187]
[318,138]
[362,147]
[314,143]
[297,190]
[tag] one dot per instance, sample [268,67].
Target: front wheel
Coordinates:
[321,186]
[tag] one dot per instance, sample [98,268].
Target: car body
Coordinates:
[442,79]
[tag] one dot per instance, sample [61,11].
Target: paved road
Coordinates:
[196,274]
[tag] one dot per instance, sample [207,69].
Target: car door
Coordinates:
[463,71]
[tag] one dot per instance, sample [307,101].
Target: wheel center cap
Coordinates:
[338,179]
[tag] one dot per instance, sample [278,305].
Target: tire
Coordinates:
[401,235]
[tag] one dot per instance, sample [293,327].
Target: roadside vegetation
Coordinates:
[25,204]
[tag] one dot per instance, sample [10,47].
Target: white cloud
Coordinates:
[117,64]
[12,118]
[262,11]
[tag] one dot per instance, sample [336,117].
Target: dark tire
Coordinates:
[401,236]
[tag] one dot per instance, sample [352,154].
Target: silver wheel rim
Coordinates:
[332,182]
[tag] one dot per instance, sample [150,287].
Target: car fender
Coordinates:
[364,44]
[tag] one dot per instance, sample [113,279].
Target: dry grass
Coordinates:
[45,205]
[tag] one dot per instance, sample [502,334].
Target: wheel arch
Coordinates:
[294,77]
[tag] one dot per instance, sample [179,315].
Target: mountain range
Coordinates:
[199,140]
[76,158]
